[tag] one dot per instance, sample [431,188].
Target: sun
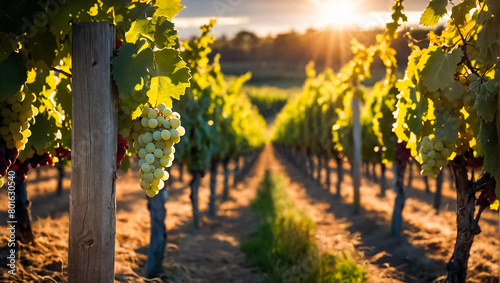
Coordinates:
[337,13]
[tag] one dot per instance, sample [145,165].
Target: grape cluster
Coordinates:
[122,149]
[434,154]
[37,158]
[154,135]
[16,114]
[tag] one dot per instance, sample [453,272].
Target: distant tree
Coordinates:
[245,40]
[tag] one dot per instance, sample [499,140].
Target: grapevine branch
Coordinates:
[61,72]
[466,59]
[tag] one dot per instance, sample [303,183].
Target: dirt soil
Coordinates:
[212,253]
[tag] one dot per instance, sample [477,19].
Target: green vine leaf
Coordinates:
[14,74]
[132,66]
[170,76]
[433,13]
[440,68]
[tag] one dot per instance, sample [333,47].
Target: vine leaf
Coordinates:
[440,68]
[131,67]
[14,74]
[433,13]
[489,147]
[171,76]
[158,30]
[485,104]
[447,127]
[169,8]
[45,133]
[416,114]
[454,92]
[460,11]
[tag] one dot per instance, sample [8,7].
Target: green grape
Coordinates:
[166,124]
[160,145]
[181,130]
[153,123]
[155,183]
[145,185]
[158,153]
[142,152]
[148,137]
[174,133]
[157,136]
[164,160]
[438,146]
[175,123]
[148,177]
[150,147]
[145,168]
[158,173]
[160,120]
[165,134]
[150,158]
[168,150]
[446,152]
[152,113]
[167,112]
[431,154]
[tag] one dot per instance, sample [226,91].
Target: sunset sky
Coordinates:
[273,16]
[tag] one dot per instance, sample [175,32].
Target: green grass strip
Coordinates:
[284,247]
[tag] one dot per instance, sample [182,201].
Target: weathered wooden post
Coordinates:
[92,225]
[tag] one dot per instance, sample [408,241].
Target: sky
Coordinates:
[274,16]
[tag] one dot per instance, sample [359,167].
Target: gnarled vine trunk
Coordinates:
[328,180]
[397,214]
[195,185]
[383,181]
[22,212]
[225,191]
[213,185]
[437,195]
[467,227]
[340,175]
[60,177]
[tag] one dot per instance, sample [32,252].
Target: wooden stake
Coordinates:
[92,225]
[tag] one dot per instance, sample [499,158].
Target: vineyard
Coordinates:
[127,154]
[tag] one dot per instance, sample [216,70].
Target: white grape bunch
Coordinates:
[17,112]
[154,135]
[434,154]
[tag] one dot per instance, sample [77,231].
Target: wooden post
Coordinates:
[92,225]
[356,131]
